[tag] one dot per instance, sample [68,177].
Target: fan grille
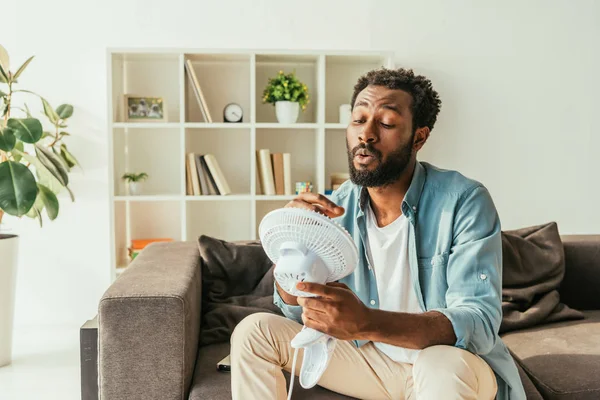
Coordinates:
[320,234]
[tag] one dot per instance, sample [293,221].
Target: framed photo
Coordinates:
[146,109]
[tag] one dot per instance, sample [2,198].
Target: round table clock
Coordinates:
[233,113]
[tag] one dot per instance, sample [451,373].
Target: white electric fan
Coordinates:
[307,246]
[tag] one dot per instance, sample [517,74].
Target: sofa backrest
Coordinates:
[580,288]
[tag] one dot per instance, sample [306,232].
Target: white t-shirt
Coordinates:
[388,252]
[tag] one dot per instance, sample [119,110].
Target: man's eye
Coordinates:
[386,126]
[359,121]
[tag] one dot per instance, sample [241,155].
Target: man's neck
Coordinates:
[386,201]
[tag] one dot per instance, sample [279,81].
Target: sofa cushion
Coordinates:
[208,383]
[533,266]
[562,359]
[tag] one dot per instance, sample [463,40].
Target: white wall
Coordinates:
[519,83]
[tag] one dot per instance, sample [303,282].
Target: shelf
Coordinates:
[146,125]
[277,125]
[157,197]
[229,197]
[336,126]
[217,125]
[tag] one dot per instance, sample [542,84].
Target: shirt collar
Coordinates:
[412,197]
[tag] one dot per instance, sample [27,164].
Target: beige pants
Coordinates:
[260,348]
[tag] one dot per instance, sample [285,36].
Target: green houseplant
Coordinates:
[34,167]
[133,181]
[289,96]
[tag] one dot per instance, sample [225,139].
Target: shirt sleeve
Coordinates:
[474,273]
[291,312]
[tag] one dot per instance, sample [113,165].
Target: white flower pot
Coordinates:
[9,245]
[135,188]
[287,111]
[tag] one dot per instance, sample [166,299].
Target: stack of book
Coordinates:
[204,176]
[137,245]
[274,173]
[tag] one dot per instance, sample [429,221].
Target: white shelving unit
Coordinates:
[316,142]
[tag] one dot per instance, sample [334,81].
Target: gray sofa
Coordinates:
[149,325]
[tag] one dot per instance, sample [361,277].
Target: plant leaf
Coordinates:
[2,94]
[36,210]
[49,111]
[69,158]
[18,188]
[64,111]
[53,163]
[16,155]
[28,130]
[3,75]
[61,159]
[64,134]
[50,201]
[22,67]
[45,177]
[7,139]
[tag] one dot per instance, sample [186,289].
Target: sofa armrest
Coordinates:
[149,323]
[579,288]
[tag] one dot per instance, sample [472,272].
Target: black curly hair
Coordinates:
[426,102]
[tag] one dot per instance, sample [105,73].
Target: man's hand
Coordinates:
[337,311]
[285,296]
[316,202]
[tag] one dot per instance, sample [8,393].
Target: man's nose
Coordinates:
[368,133]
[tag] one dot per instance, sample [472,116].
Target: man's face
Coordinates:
[380,136]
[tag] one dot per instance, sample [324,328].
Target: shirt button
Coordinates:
[372,302]
[483,276]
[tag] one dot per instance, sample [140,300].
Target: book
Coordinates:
[201,175]
[277,162]
[212,185]
[189,190]
[193,174]
[258,185]
[266,171]
[198,91]
[217,174]
[287,174]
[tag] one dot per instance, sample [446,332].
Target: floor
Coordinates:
[45,365]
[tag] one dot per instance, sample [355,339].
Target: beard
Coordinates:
[386,172]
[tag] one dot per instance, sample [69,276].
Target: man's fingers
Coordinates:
[314,323]
[316,288]
[338,284]
[316,202]
[312,303]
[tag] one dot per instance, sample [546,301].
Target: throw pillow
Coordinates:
[533,268]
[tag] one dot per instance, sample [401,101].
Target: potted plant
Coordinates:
[133,182]
[34,168]
[288,94]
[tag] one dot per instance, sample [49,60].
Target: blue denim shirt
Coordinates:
[455,253]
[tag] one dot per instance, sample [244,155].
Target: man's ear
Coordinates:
[421,136]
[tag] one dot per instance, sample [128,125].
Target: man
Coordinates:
[419,317]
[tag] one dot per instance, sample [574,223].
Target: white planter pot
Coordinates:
[135,188]
[287,111]
[9,245]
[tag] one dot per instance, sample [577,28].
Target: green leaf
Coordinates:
[64,163]
[7,139]
[49,111]
[27,110]
[16,156]
[3,75]
[2,94]
[22,67]
[50,201]
[53,164]
[36,210]
[64,134]
[28,130]
[45,177]
[67,156]
[64,111]
[18,188]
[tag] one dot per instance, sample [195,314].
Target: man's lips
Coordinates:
[364,159]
